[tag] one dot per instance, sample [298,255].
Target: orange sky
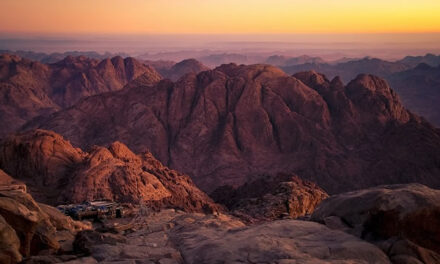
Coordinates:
[215,16]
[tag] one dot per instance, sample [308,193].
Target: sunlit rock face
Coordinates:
[56,172]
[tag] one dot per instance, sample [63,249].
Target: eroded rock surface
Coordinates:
[271,198]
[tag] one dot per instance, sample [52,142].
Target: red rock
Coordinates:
[271,198]
[58,173]
[228,125]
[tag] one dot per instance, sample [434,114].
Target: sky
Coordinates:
[219,16]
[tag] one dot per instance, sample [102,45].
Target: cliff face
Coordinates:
[56,172]
[228,125]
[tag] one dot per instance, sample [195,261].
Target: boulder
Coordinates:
[31,225]
[27,227]
[405,215]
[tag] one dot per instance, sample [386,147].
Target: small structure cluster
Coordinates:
[95,209]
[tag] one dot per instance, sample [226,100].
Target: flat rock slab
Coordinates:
[219,240]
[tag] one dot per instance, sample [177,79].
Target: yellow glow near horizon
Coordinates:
[215,16]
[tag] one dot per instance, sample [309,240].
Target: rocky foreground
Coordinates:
[29,228]
[386,224]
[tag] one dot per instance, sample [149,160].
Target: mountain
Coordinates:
[23,92]
[160,66]
[57,56]
[56,172]
[350,69]
[181,68]
[430,59]
[419,89]
[214,60]
[231,125]
[78,77]
[29,88]
[278,60]
[417,86]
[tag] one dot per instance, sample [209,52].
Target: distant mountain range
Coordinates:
[415,79]
[30,88]
[57,56]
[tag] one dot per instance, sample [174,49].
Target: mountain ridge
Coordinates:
[225,125]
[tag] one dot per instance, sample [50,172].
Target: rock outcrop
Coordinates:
[271,198]
[27,228]
[228,125]
[29,89]
[404,220]
[56,172]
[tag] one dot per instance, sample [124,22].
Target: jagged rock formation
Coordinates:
[230,124]
[29,89]
[271,198]
[415,79]
[26,227]
[78,77]
[404,220]
[56,172]
[22,92]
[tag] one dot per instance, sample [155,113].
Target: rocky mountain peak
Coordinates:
[57,173]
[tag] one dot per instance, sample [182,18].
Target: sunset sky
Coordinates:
[219,16]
